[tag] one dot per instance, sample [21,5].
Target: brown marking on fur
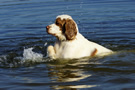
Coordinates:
[60,23]
[94,52]
[70,29]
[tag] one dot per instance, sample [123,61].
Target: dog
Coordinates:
[70,43]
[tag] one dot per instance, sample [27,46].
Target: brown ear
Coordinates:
[70,29]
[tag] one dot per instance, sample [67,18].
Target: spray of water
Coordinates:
[28,54]
[29,57]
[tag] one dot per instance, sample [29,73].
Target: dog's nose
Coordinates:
[47,27]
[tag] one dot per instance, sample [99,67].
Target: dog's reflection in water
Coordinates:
[68,73]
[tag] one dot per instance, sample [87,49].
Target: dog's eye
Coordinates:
[57,23]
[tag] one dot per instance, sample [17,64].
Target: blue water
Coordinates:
[23,41]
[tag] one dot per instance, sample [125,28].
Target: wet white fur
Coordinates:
[77,48]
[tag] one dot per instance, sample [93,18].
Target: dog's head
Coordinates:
[64,28]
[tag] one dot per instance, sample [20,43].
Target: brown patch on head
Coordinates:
[70,29]
[60,23]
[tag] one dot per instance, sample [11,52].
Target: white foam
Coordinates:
[28,54]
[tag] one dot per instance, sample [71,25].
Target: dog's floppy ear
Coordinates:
[70,29]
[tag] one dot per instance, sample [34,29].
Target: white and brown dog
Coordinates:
[71,44]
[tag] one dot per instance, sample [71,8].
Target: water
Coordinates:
[23,41]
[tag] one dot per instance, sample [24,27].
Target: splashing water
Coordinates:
[29,57]
[28,54]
